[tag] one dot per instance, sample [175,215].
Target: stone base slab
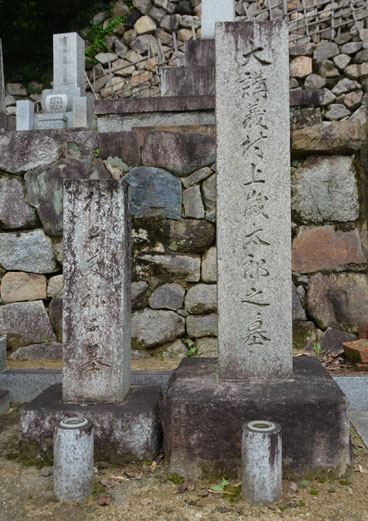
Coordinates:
[123,432]
[202,419]
[4,401]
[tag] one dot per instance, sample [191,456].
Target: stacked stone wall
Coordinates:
[173,179]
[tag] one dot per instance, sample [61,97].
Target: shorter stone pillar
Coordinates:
[73,459]
[261,462]
[25,115]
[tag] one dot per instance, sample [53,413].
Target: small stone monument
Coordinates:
[66,105]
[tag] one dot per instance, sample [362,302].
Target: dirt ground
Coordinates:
[146,492]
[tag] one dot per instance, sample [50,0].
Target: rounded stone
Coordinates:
[55,286]
[201,298]
[145,25]
[168,296]
[301,67]
[151,328]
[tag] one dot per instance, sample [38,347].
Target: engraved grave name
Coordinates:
[254,273]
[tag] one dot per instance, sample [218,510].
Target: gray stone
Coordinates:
[201,298]
[343,86]
[145,25]
[356,389]
[2,81]
[154,193]
[338,300]
[326,50]
[327,69]
[353,99]
[189,235]
[96,318]
[143,43]
[253,152]
[333,339]
[157,14]
[14,210]
[186,267]
[357,70]
[202,325]
[168,296]
[305,49]
[138,290]
[351,47]
[45,189]
[215,11]
[327,97]
[325,189]
[175,350]
[209,192]
[2,353]
[193,205]
[142,5]
[25,323]
[49,351]
[16,89]
[4,401]
[207,347]
[25,115]
[313,81]
[27,251]
[69,60]
[209,266]
[151,328]
[361,57]
[359,419]
[337,111]
[82,116]
[198,176]
[342,61]
[106,57]
[298,312]
[55,286]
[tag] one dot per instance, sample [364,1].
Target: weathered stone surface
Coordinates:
[189,235]
[14,210]
[143,43]
[331,137]
[338,300]
[154,193]
[55,286]
[96,301]
[353,99]
[327,69]
[193,205]
[209,266]
[313,81]
[175,350]
[343,86]
[201,299]
[106,57]
[351,47]
[327,97]
[305,49]
[301,67]
[342,61]
[198,176]
[56,316]
[333,339]
[298,312]
[45,189]
[124,145]
[25,323]
[22,151]
[181,266]
[49,351]
[207,347]
[357,70]
[202,325]
[209,192]
[305,116]
[19,286]
[304,335]
[325,189]
[253,201]
[362,56]
[168,296]
[144,25]
[337,111]
[27,251]
[151,328]
[178,152]
[323,248]
[138,290]
[326,50]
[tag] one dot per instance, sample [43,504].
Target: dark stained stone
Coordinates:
[178,152]
[154,193]
[333,339]
[56,316]
[297,308]
[124,145]
[45,188]
[189,235]
[14,210]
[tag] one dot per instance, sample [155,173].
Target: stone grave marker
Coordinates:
[96,307]
[254,266]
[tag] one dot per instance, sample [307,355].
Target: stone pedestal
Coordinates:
[202,419]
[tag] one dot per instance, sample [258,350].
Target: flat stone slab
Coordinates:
[202,419]
[359,419]
[127,431]
[356,389]
[4,401]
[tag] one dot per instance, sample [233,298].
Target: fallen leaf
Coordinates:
[362,469]
[146,501]
[293,486]
[350,490]
[153,467]
[104,500]
[120,478]
[187,485]
[108,482]
[133,475]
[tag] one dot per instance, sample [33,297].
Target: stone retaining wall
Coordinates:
[173,178]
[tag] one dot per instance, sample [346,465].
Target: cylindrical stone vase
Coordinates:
[73,459]
[261,462]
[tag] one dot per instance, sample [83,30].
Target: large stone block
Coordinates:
[124,145]
[338,300]
[19,286]
[25,323]
[201,298]
[151,328]
[323,248]
[181,267]
[155,193]
[45,189]
[325,189]
[202,419]
[49,351]
[27,251]
[22,151]
[189,235]
[202,325]
[188,81]
[14,210]
[178,152]
[167,296]
[125,431]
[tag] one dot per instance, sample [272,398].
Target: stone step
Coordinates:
[4,401]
